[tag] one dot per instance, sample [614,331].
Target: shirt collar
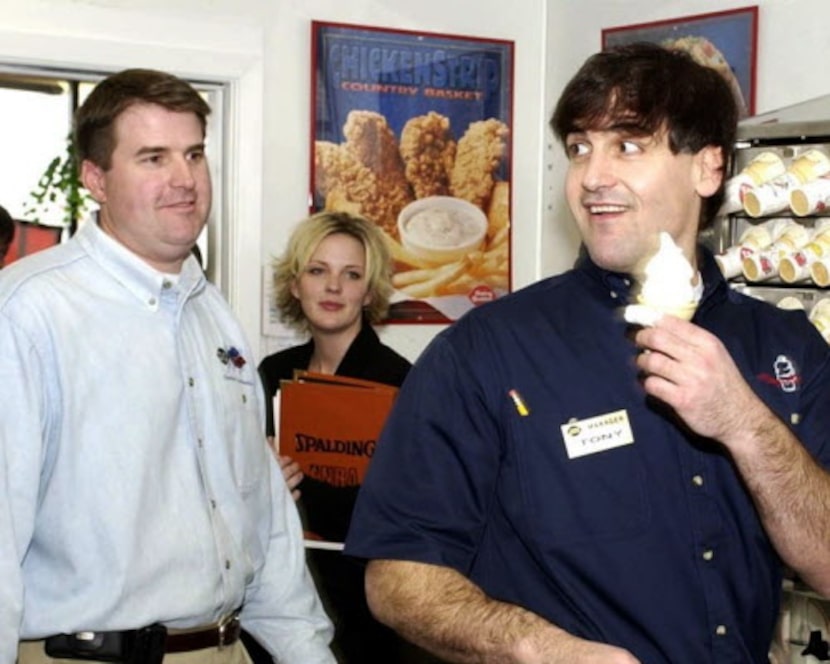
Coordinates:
[715,287]
[618,285]
[145,282]
[362,351]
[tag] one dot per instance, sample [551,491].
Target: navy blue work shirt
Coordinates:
[643,536]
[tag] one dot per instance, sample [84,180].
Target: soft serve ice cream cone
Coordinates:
[665,286]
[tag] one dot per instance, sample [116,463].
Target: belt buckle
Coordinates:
[228,629]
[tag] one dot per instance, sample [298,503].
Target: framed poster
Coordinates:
[725,40]
[413,130]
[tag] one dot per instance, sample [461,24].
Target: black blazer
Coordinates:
[367,358]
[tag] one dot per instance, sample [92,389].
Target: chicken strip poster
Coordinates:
[413,131]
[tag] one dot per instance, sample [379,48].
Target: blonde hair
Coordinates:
[304,241]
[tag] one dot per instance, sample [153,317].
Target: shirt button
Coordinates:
[191,382]
[213,504]
[244,398]
[152,301]
[697,480]
[166,284]
[227,564]
[614,294]
[201,443]
[708,554]
[720,630]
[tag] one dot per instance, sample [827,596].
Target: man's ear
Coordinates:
[710,170]
[93,178]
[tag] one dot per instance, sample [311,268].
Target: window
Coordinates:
[37,116]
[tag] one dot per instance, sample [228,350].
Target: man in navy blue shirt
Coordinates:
[546,491]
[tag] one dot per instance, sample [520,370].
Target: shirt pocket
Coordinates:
[246,435]
[600,496]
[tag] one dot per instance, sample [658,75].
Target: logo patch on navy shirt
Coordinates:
[784,375]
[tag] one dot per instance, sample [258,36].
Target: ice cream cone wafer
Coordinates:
[686,310]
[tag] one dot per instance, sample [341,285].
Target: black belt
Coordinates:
[142,646]
[226,632]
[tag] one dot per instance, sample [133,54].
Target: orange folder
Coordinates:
[331,425]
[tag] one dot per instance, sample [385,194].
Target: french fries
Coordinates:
[498,212]
[439,278]
[500,237]
[465,283]
[402,255]
[487,267]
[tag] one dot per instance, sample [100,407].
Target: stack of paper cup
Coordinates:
[811,197]
[796,266]
[753,239]
[774,195]
[763,265]
[730,261]
[820,317]
[791,303]
[820,272]
[765,166]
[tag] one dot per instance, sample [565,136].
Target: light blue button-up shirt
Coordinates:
[135,482]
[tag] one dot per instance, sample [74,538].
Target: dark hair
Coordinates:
[94,120]
[7,229]
[645,87]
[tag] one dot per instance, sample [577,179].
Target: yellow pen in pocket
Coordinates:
[521,407]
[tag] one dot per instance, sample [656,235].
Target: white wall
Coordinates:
[262,48]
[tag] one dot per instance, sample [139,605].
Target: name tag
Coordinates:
[597,434]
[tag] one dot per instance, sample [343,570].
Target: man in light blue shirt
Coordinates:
[141,512]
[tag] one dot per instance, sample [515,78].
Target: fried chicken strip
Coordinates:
[478,156]
[348,185]
[428,153]
[381,189]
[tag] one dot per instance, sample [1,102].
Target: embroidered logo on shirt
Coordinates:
[235,363]
[784,374]
[231,355]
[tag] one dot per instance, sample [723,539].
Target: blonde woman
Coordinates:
[333,282]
